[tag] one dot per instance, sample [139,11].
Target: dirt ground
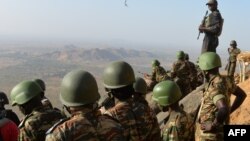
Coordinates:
[242,114]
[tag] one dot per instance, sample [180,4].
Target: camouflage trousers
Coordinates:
[201,136]
[231,68]
[210,43]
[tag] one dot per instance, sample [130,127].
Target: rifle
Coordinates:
[202,23]
[144,74]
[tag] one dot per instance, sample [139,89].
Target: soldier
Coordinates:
[212,27]
[179,125]
[233,52]
[139,96]
[38,119]
[215,106]
[45,100]
[181,72]
[7,113]
[138,122]
[158,74]
[193,75]
[79,95]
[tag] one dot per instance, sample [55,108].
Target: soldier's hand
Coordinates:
[202,28]
[207,127]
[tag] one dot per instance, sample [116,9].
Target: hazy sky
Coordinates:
[159,22]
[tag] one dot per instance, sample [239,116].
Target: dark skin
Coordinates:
[240,97]
[211,7]
[223,111]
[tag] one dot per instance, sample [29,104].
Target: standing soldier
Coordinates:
[79,95]
[38,119]
[233,52]
[158,74]
[215,107]
[179,125]
[45,100]
[212,27]
[7,113]
[181,72]
[139,124]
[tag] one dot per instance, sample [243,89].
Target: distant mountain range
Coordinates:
[96,54]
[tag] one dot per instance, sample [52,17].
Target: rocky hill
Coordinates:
[96,54]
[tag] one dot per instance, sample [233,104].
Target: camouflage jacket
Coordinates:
[192,68]
[215,90]
[86,125]
[233,52]
[123,112]
[159,74]
[146,121]
[181,69]
[178,128]
[214,23]
[34,126]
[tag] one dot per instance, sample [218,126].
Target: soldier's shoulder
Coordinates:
[27,119]
[60,122]
[219,83]
[108,121]
[216,13]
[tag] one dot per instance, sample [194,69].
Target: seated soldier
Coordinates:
[158,74]
[180,73]
[38,119]
[178,126]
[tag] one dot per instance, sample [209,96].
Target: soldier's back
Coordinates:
[123,112]
[181,68]
[91,126]
[146,120]
[179,127]
[34,126]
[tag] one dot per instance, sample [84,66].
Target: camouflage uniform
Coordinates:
[146,121]
[181,72]
[123,112]
[193,75]
[86,125]
[178,128]
[213,22]
[233,52]
[159,74]
[215,90]
[34,126]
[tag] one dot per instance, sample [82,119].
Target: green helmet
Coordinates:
[3,98]
[166,93]
[78,88]
[41,83]
[155,63]
[209,60]
[140,85]
[118,74]
[24,92]
[233,43]
[180,55]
